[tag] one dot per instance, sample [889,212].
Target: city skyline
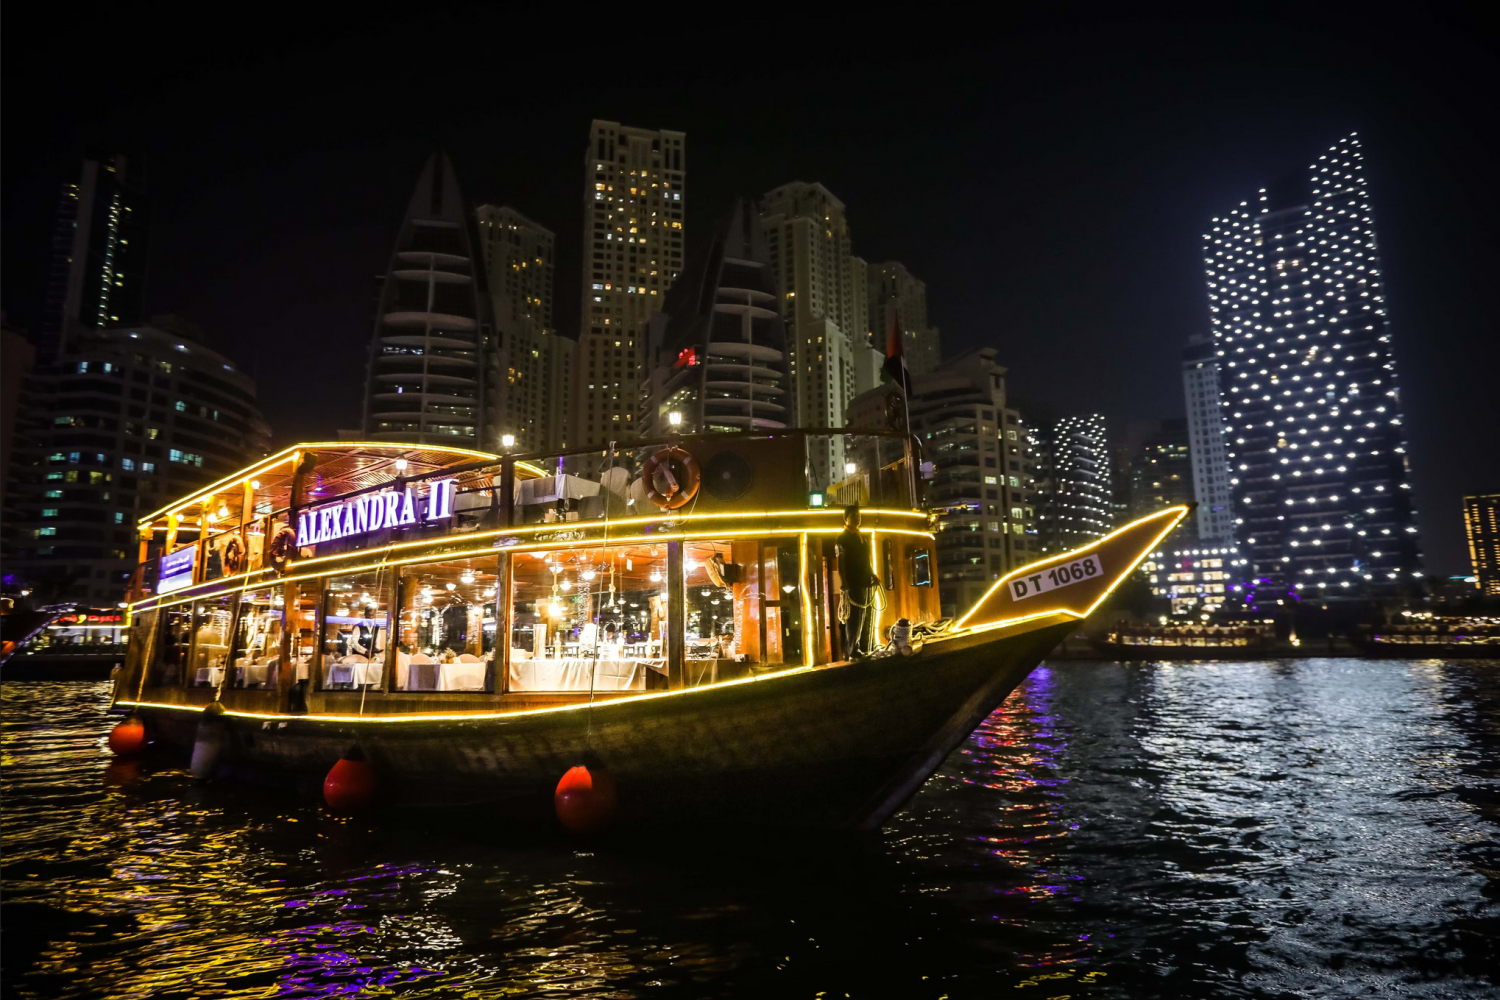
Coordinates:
[1006,288]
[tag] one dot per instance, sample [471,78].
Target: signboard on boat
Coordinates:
[371,512]
[176,569]
[1054,577]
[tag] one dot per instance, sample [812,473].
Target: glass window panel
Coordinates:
[447,626]
[743,607]
[257,641]
[210,640]
[176,645]
[356,625]
[589,619]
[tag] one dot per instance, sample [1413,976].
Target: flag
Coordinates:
[894,369]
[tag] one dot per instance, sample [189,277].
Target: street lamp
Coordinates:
[507,440]
[674,418]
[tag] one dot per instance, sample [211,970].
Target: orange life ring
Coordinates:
[283,546]
[233,556]
[671,477]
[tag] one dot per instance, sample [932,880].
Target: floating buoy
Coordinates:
[128,738]
[351,782]
[585,799]
[208,742]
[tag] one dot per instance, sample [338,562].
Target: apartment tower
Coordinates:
[1312,409]
[634,204]
[433,374]
[533,360]
[823,291]
[898,296]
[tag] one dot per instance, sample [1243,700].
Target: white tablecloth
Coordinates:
[209,676]
[574,674]
[360,671]
[461,676]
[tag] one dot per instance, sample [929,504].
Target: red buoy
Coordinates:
[585,799]
[350,783]
[128,738]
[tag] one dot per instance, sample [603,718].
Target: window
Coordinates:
[257,643]
[185,457]
[49,511]
[46,532]
[446,626]
[210,649]
[356,627]
[128,464]
[181,407]
[1015,513]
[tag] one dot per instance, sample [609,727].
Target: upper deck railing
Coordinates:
[337,498]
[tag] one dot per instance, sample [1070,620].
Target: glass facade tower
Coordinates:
[1312,411]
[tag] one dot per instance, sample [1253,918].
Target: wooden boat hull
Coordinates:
[842,746]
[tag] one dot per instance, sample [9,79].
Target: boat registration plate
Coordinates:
[1054,577]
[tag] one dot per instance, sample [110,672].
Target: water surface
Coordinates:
[1281,829]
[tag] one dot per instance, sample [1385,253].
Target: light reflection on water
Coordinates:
[1312,827]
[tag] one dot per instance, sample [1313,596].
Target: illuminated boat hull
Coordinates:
[842,746]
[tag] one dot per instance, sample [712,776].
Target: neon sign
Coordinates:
[372,512]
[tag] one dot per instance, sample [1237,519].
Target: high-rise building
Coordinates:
[1313,424]
[100,241]
[896,295]
[716,354]
[434,370]
[634,205]
[1072,481]
[1482,527]
[1161,472]
[518,263]
[126,419]
[824,295]
[1210,458]
[975,467]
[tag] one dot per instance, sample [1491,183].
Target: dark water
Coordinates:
[1288,829]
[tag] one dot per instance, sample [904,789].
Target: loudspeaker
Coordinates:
[727,476]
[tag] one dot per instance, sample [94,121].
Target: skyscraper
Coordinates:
[634,204]
[518,264]
[128,418]
[716,354]
[1482,529]
[824,295]
[97,274]
[1308,385]
[898,295]
[1205,424]
[1072,481]
[433,373]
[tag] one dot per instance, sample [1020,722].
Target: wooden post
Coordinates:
[676,618]
[393,631]
[247,507]
[200,569]
[286,672]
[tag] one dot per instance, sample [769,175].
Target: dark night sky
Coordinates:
[1049,179]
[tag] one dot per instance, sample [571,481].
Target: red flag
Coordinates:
[894,369]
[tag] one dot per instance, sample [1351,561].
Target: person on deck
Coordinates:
[858,582]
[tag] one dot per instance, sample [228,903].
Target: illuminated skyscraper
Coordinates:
[634,204]
[824,298]
[1070,457]
[533,359]
[1313,423]
[716,354]
[433,368]
[1205,422]
[97,277]
[1482,527]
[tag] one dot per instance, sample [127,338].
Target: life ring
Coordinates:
[283,546]
[233,555]
[671,477]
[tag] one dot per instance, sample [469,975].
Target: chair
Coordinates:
[423,676]
[468,658]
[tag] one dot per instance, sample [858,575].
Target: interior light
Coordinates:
[674,418]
